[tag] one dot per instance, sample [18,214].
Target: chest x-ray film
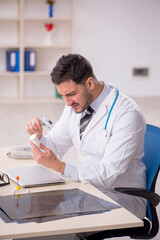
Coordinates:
[51,205]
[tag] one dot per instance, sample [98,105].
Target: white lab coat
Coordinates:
[107,158]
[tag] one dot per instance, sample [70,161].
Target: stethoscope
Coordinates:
[108,113]
[111,109]
[48,123]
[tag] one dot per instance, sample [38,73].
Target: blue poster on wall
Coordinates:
[13,61]
[30,60]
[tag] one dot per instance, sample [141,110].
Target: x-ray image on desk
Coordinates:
[51,205]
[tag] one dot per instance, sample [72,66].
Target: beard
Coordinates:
[87,99]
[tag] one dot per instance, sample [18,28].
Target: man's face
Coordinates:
[78,96]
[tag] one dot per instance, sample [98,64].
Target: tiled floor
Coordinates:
[15,115]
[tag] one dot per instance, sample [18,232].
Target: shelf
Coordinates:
[9,74]
[9,19]
[47,46]
[48,19]
[26,73]
[22,27]
[37,73]
[9,45]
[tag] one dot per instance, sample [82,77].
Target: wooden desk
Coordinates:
[118,218]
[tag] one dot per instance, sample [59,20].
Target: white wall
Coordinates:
[117,35]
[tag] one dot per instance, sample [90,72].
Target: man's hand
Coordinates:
[34,126]
[47,158]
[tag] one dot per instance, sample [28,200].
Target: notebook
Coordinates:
[32,176]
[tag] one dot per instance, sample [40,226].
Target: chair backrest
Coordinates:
[151,158]
[151,154]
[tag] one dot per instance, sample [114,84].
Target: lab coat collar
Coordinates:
[106,90]
[102,111]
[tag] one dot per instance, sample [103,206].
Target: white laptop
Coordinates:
[32,176]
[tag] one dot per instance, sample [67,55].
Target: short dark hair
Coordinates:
[72,67]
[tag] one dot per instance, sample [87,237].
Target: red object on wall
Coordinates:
[49,26]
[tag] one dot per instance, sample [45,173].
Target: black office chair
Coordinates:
[151,224]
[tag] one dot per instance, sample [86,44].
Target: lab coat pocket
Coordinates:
[101,141]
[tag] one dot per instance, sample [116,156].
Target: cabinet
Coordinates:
[22,28]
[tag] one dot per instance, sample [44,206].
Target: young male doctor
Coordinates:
[109,142]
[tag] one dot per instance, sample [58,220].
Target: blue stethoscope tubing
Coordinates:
[111,109]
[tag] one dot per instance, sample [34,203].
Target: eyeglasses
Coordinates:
[5,179]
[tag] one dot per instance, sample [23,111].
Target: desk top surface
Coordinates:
[117,218]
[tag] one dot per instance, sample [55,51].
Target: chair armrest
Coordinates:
[152,197]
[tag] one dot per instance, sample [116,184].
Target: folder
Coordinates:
[13,61]
[30,60]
